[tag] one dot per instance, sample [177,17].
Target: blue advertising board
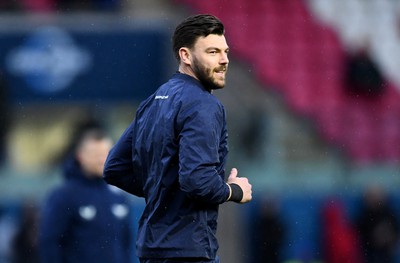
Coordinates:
[53,63]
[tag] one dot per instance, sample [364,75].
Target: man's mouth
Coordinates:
[220,71]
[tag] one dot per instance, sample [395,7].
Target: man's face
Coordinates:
[210,61]
[92,156]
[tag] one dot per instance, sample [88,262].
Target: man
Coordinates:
[174,152]
[84,220]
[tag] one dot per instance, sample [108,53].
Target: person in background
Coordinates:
[269,233]
[339,239]
[363,77]
[25,242]
[174,153]
[84,220]
[377,226]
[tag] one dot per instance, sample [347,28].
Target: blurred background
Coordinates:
[313,104]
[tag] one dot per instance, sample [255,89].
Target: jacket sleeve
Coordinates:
[55,219]
[223,150]
[201,162]
[118,168]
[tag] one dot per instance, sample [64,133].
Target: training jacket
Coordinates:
[84,221]
[173,154]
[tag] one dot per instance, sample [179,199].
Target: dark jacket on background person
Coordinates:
[378,228]
[173,154]
[84,220]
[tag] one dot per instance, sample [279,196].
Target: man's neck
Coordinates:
[187,70]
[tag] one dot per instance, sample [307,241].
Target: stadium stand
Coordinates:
[304,58]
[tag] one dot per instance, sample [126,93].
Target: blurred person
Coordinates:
[25,243]
[378,228]
[340,242]
[174,152]
[363,77]
[270,233]
[85,220]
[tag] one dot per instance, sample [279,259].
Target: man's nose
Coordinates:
[224,59]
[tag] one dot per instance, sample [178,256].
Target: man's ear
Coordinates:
[184,54]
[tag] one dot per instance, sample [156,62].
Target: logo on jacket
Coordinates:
[120,211]
[48,60]
[87,212]
[161,97]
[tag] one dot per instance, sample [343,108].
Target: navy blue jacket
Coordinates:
[84,221]
[173,154]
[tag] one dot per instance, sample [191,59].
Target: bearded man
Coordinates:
[174,152]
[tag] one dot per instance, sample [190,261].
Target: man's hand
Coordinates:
[243,183]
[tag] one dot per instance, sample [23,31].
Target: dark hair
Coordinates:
[193,27]
[92,133]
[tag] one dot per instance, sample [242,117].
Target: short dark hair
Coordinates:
[89,134]
[193,27]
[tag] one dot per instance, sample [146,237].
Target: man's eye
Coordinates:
[213,52]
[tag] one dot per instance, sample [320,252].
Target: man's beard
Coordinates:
[204,75]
